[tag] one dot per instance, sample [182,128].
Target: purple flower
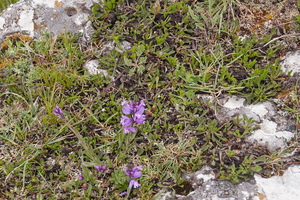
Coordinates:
[80,177]
[100,168]
[133,107]
[135,172]
[126,121]
[140,107]
[134,183]
[136,111]
[128,129]
[127,109]
[122,194]
[139,118]
[58,112]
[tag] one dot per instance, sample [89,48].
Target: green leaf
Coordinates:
[94,9]
[258,168]
[260,159]
[196,18]
[190,94]
[140,49]
[143,60]
[131,72]
[140,152]
[163,186]
[219,143]
[141,69]
[127,61]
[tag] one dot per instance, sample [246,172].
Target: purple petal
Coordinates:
[129,129]
[139,118]
[137,174]
[128,172]
[100,168]
[133,105]
[58,112]
[126,131]
[134,183]
[124,102]
[142,103]
[80,177]
[125,121]
[141,107]
[126,109]
[103,168]
[97,167]
[122,194]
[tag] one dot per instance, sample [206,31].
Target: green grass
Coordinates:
[180,50]
[5,3]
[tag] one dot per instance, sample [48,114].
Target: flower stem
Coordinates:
[90,153]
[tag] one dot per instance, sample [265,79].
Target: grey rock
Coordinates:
[280,187]
[208,188]
[92,67]
[111,45]
[291,61]
[256,188]
[31,17]
[265,115]
[275,125]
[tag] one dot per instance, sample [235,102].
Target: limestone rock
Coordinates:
[208,188]
[291,62]
[265,115]
[256,188]
[280,187]
[31,17]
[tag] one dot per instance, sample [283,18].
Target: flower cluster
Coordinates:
[134,173]
[58,112]
[100,168]
[135,111]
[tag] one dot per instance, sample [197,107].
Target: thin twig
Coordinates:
[290,35]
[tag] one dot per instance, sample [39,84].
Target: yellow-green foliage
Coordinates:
[5,3]
[14,38]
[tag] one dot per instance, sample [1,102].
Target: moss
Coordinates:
[16,37]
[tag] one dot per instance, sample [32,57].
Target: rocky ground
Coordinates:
[219,80]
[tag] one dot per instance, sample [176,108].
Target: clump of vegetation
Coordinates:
[131,136]
[5,3]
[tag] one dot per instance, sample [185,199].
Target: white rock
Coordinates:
[49,3]
[2,22]
[261,112]
[25,21]
[55,16]
[111,45]
[205,177]
[259,109]
[234,102]
[291,62]
[284,187]
[81,19]
[267,135]
[92,67]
